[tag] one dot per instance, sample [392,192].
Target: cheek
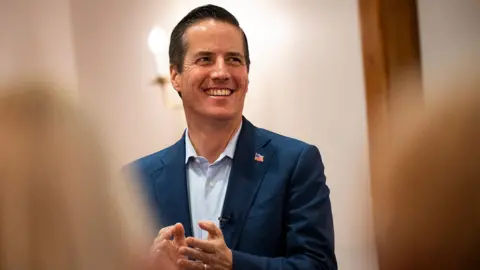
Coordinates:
[241,80]
[194,79]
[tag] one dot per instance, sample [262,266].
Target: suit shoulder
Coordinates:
[284,142]
[150,163]
[290,151]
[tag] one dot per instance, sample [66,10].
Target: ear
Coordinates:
[175,78]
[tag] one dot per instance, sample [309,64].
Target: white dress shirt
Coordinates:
[207,183]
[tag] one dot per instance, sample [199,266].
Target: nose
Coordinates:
[220,70]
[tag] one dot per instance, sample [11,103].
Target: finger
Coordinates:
[205,245]
[196,254]
[190,265]
[161,248]
[164,234]
[211,228]
[179,235]
[165,229]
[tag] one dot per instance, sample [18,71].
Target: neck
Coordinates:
[211,137]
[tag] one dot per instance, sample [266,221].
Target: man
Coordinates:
[235,196]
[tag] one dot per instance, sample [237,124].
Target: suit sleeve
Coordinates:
[309,228]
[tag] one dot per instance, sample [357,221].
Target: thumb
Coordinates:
[179,235]
[212,229]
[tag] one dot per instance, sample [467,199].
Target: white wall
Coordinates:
[115,70]
[449,38]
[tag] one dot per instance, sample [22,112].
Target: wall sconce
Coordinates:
[158,44]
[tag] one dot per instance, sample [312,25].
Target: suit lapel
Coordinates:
[245,179]
[172,190]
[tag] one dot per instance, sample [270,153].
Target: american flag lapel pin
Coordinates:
[258,157]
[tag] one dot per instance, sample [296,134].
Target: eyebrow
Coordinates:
[203,53]
[235,54]
[208,53]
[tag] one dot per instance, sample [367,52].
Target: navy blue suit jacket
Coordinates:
[279,210]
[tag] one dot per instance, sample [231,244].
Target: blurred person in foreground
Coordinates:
[235,196]
[427,193]
[61,205]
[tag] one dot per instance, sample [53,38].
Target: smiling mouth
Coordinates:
[218,92]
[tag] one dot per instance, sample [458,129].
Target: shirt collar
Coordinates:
[229,150]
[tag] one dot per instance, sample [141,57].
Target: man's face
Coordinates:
[214,79]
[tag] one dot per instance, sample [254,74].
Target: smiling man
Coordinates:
[231,195]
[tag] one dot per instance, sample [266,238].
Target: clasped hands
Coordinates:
[171,248]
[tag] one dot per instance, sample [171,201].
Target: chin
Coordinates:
[222,115]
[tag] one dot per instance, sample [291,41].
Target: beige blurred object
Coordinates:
[427,194]
[62,206]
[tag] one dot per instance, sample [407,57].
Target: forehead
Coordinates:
[213,35]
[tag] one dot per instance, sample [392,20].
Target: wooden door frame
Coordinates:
[390,47]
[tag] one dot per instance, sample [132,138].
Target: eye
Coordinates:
[203,60]
[236,60]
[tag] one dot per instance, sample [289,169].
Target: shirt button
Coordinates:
[212,184]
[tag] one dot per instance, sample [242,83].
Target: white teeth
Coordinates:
[219,92]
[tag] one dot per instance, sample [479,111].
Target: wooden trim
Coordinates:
[391,50]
